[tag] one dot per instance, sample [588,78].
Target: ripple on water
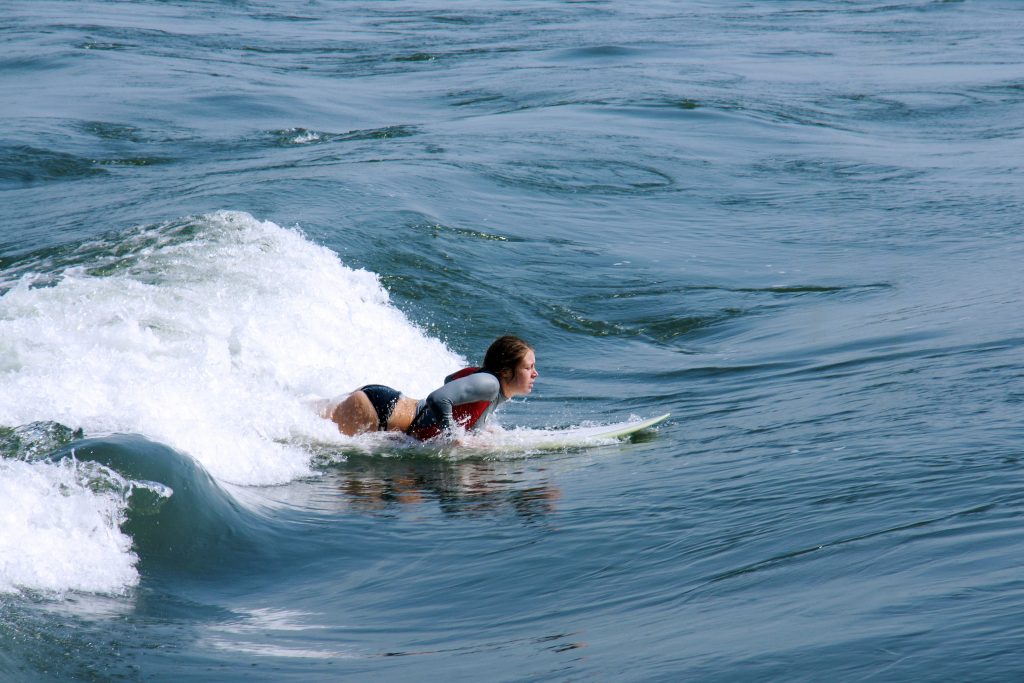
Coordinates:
[22,165]
[469,98]
[668,314]
[589,176]
[798,169]
[597,52]
[289,137]
[106,130]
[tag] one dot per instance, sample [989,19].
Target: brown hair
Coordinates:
[505,353]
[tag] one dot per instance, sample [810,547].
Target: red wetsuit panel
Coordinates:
[463,414]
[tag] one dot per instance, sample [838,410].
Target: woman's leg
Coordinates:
[355,414]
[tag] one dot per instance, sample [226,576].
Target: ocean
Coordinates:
[793,224]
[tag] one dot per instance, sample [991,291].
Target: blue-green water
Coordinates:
[793,224]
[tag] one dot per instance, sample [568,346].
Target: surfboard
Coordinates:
[553,439]
[518,439]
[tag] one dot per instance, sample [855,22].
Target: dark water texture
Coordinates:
[793,224]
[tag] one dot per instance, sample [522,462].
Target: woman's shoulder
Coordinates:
[480,378]
[475,386]
[464,372]
[482,386]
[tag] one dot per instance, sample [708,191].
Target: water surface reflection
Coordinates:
[384,484]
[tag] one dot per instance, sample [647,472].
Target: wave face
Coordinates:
[204,334]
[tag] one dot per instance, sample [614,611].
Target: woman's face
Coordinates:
[519,382]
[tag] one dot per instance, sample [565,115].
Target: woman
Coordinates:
[466,401]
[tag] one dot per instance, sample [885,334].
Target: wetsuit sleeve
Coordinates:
[481,386]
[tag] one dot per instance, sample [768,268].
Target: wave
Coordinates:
[175,513]
[84,516]
[205,337]
[61,520]
[205,334]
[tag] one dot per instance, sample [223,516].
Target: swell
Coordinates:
[198,526]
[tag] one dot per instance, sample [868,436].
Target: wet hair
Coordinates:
[505,353]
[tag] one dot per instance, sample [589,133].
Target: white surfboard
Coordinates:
[554,439]
[519,439]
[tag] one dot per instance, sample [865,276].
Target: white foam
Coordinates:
[306,137]
[57,535]
[207,335]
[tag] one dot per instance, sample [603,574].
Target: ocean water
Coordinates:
[793,224]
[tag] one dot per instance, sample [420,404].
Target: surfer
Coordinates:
[466,401]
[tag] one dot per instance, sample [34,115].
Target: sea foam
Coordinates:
[57,534]
[208,334]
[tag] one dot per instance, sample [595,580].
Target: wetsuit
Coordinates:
[467,399]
